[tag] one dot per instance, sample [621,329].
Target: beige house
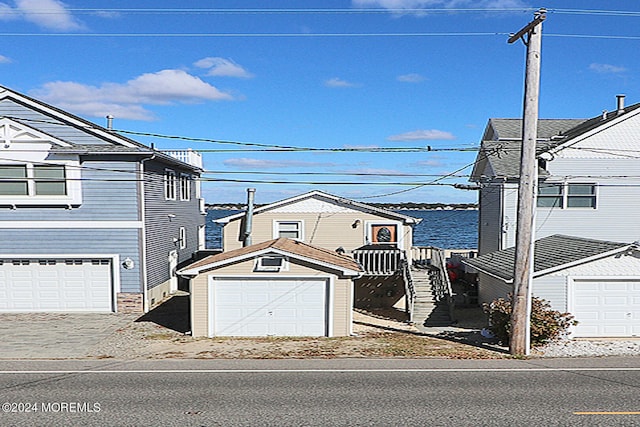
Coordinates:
[323,220]
[278,287]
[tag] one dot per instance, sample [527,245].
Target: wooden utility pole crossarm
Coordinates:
[523,269]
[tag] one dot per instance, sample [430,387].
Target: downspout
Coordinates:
[246,239]
[143,259]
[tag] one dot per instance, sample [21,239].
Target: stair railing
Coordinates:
[409,288]
[442,287]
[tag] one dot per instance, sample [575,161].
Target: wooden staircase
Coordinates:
[430,308]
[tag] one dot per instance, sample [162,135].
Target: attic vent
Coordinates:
[270,263]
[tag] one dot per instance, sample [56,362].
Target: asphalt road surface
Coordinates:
[349,392]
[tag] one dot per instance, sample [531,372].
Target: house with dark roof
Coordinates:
[278,287]
[90,220]
[596,281]
[588,178]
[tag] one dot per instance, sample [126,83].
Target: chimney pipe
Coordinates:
[109,122]
[248,219]
[620,99]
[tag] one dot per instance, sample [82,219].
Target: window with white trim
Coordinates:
[33,180]
[271,263]
[288,229]
[567,196]
[182,237]
[185,186]
[170,184]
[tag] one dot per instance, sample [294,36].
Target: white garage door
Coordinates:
[56,285]
[607,308]
[268,308]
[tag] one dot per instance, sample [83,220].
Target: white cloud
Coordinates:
[411,78]
[338,82]
[428,164]
[126,100]
[248,163]
[49,14]
[607,68]
[4,59]
[422,135]
[221,67]
[425,4]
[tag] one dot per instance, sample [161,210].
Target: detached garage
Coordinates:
[45,284]
[280,287]
[598,282]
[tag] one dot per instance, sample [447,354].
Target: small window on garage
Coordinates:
[271,263]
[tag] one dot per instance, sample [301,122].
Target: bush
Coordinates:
[546,324]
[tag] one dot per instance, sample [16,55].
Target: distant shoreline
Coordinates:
[389,206]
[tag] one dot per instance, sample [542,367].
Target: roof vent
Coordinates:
[620,104]
[604,114]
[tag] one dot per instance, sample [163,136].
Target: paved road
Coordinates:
[581,392]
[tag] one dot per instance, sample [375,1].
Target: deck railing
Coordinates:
[188,156]
[380,262]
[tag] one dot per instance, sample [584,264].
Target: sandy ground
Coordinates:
[163,334]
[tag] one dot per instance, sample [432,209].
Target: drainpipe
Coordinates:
[248,217]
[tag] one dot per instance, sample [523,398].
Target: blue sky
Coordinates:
[348,76]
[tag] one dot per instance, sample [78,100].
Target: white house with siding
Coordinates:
[589,184]
[597,281]
[589,189]
[90,220]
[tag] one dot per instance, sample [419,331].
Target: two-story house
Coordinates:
[588,178]
[585,259]
[90,220]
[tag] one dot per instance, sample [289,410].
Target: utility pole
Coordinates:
[519,343]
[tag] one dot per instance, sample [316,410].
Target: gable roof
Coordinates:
[551,254]
[511,129]
[282,246]
[502,140]
[340,201]
[110,141]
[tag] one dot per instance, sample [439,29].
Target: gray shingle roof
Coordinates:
[547,128]
[550,254]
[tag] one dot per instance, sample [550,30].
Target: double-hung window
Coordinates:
[289,229]
[33,180]
[170,184]
[185,186]
[567,195]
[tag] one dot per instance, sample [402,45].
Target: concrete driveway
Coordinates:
[56,335]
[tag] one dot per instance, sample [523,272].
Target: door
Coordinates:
[606,308]
[268,307]
[43,285]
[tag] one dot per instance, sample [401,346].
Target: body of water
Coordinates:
[443,229]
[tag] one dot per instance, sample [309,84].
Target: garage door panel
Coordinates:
[269,307]
[56,285]
[614,315]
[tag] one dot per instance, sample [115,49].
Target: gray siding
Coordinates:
[489,224]
[161,229]
[78,242]
[491,288]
